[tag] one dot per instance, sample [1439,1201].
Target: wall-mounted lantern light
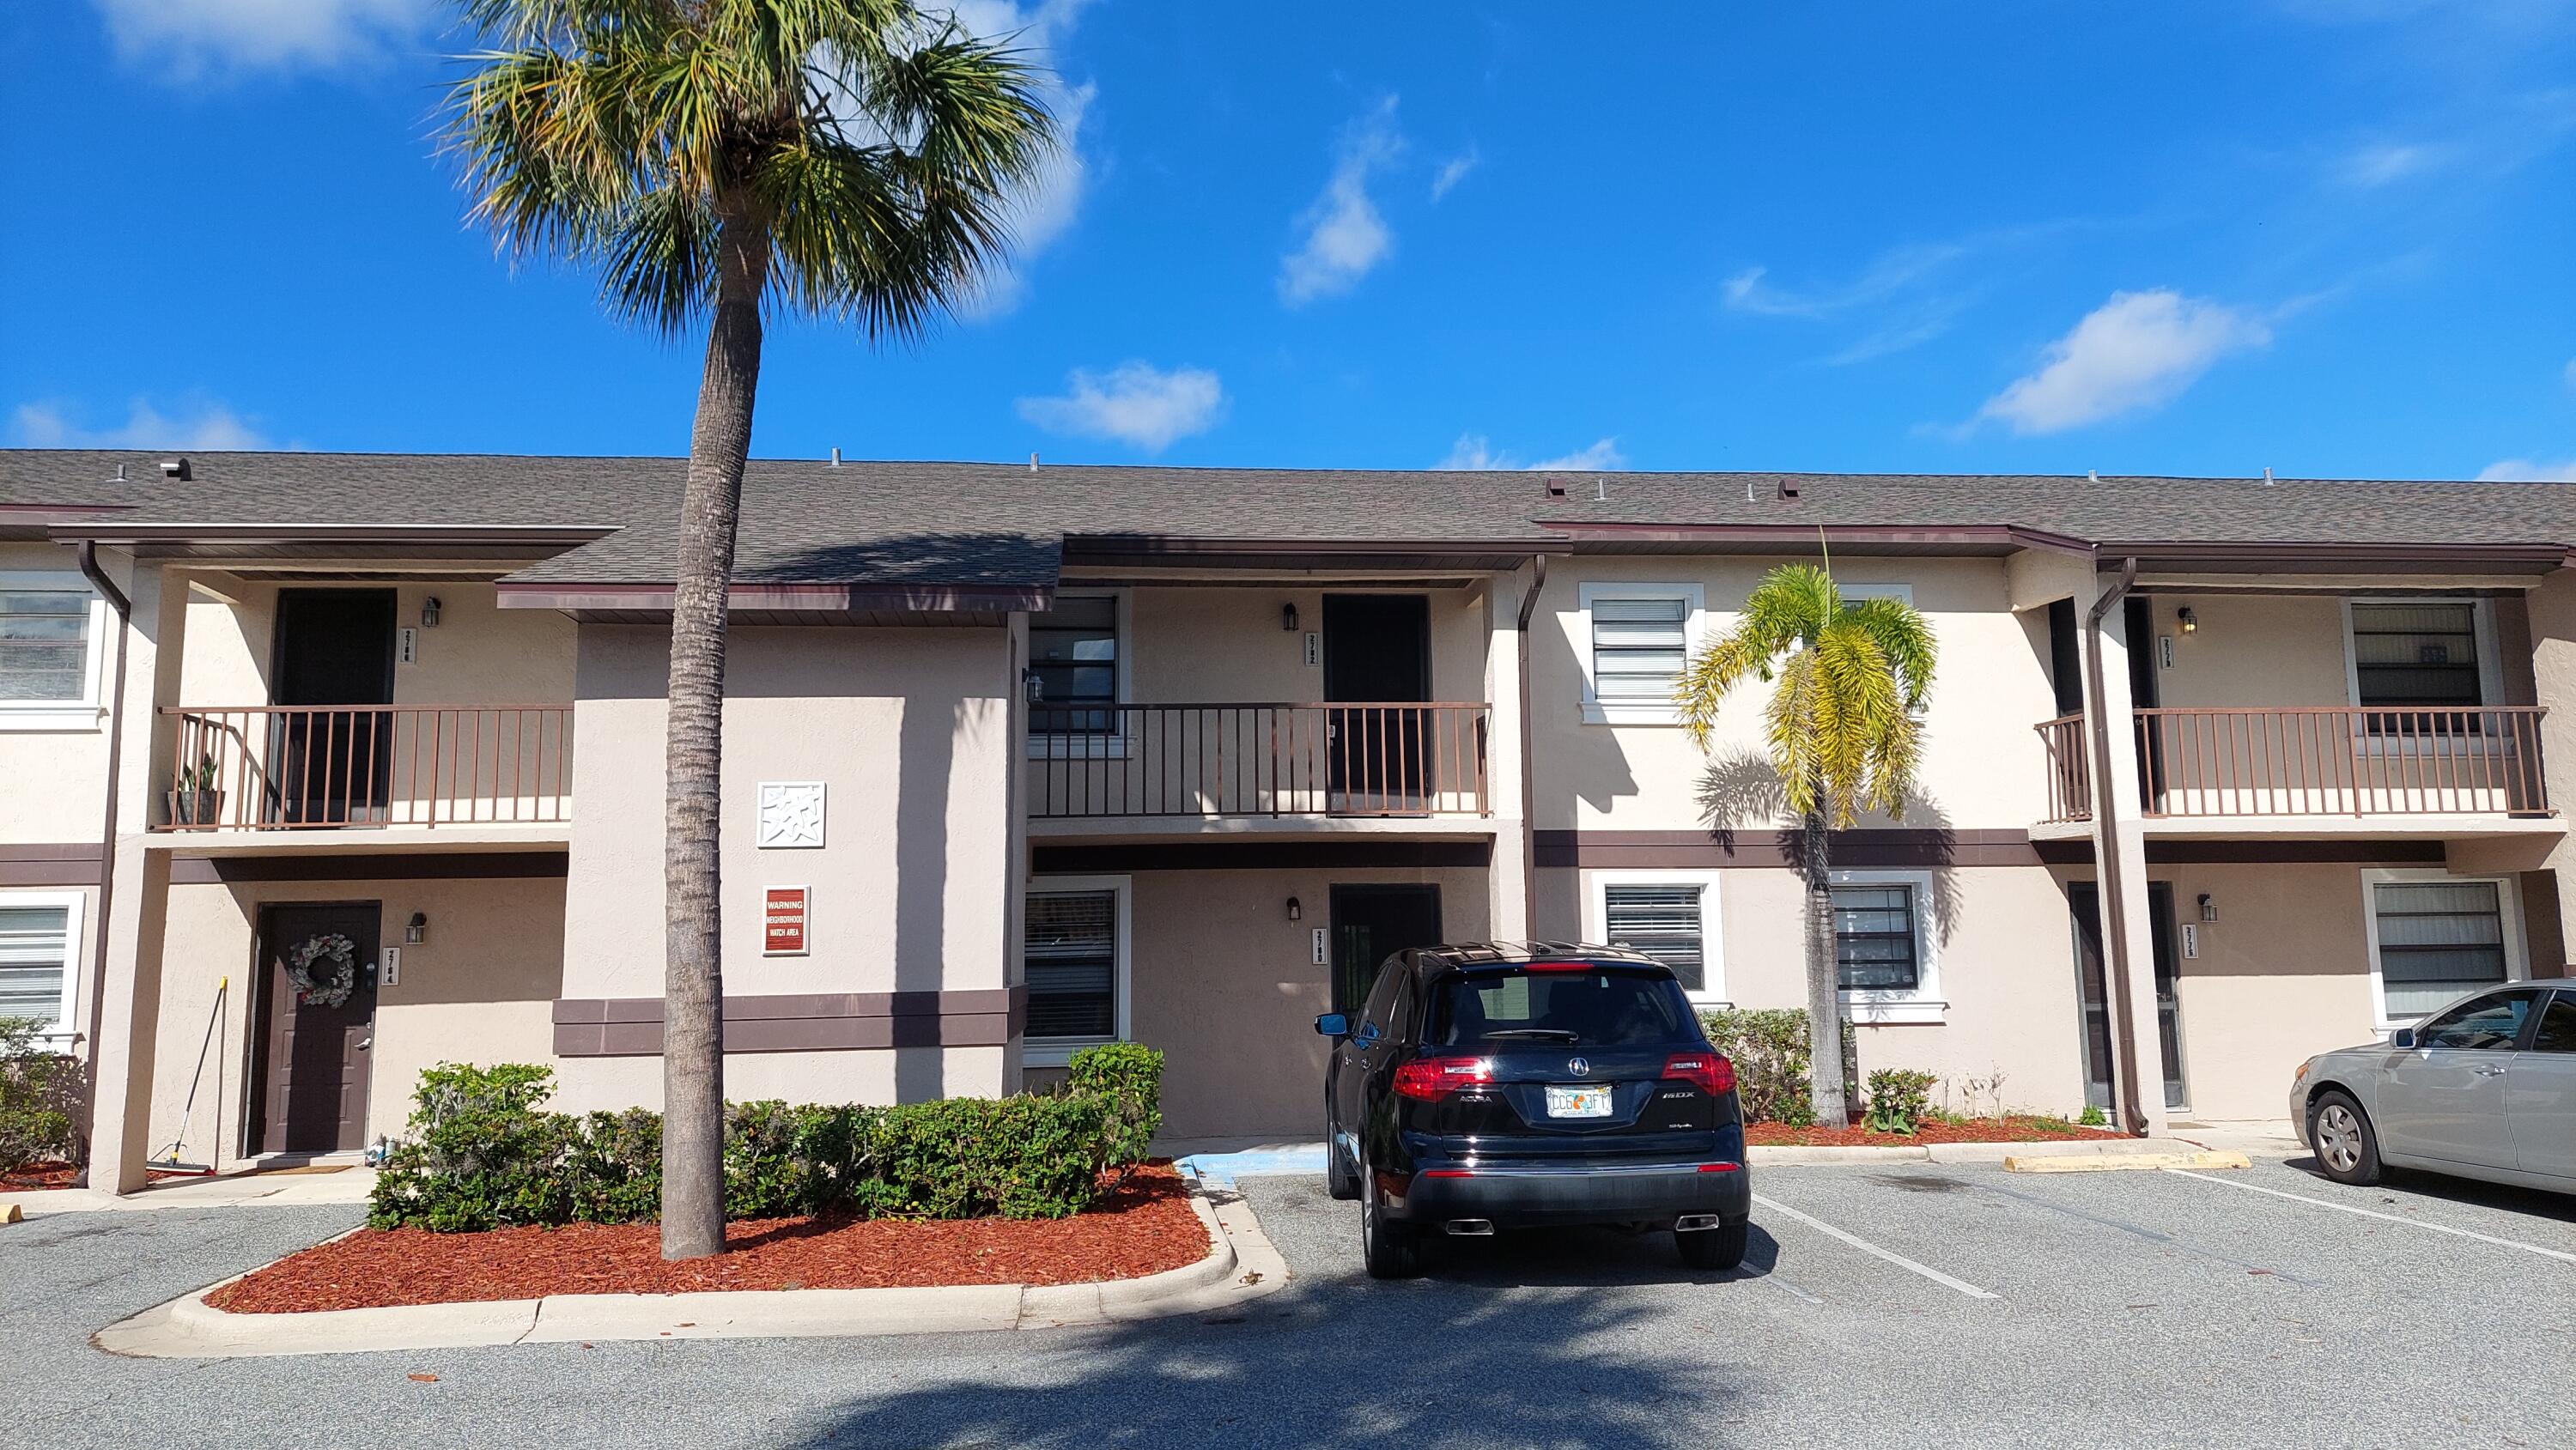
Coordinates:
[2208,907]
[429,612]
[2190,621]
[1288,617]
[1296,909]
[416,931]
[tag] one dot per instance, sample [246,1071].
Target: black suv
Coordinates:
[1512,1084]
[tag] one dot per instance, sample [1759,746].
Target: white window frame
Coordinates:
[1694,598]
[1082,744]
[2481,621]
[2517,956]
[1712,951]
[1058,1051]
[85,712]
[1923,1006]
[75,904]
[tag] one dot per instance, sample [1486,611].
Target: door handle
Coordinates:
[2489,1071]
[366,1042]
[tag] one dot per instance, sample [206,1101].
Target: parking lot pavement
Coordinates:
[2126,1309]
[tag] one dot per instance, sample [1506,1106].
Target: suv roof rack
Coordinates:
[1506,953]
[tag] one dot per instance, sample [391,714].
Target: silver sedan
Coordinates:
[2484,1088]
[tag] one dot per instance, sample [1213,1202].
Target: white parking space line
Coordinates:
[1866,1247]
[2439,1228]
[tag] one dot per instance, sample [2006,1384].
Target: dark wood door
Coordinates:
[314,1056]
[334,647]
[1372,923]
[2091,983]
[1377,651]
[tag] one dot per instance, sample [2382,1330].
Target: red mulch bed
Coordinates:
[1144,1227]
[59,1175]
[2013,1129]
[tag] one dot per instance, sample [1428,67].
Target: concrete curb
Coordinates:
[1791,1155]
[2125,1162]
[1240,1264]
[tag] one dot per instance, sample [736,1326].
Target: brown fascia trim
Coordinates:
[1116,546]
[127,535]
[1219,854]
[392,866]
[1706,850]
[42,511]
[2079,852]
[2238,555]
[1793,535]
[815,598]
[801,1022]
[69,864]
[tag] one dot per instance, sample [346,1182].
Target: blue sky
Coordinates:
[2328,238]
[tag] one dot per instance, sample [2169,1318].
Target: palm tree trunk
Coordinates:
[1826,1089]
[693,972]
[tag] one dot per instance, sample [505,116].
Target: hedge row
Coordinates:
[483,1152]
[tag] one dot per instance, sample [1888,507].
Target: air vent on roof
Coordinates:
[1556,488]
[836,458]
[1788,488]
[2267,477]
[176,468]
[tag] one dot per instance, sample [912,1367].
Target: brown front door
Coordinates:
[312,1073]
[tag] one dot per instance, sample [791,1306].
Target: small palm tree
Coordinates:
[716,159]
[1842,736]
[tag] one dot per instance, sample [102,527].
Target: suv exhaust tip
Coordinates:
[1473,1228]
[1694,1222]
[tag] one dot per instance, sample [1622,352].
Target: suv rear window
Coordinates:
[1600,1007]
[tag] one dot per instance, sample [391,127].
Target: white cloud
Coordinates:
[2375,166]
[1888,273]
[1474,452]
[1455,170]
[2528,470]
[1134,403]
[1047,208]
[200,35]
[2138,350]
[2570,374]
[1345,236]
[209,427]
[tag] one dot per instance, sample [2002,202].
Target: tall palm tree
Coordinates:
[1841,733]
[716,159]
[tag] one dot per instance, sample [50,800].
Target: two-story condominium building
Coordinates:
[316,769]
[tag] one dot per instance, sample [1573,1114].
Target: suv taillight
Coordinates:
[1433,1078]
[1709,1070]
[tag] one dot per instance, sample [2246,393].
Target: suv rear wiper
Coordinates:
[1560,1034]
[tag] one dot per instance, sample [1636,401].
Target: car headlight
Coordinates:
[2301,1075]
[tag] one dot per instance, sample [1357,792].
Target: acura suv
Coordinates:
[1511,1084]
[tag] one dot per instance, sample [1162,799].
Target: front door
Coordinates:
[334,647]
[1377,651]
[1372,923]
[2084,899]
[310,1079]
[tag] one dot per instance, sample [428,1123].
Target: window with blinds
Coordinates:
[1070,962]
[44,645]
[2437,939]
[2424,655]
[1638,649]
[1875,949]
[1662,922]
[35,962]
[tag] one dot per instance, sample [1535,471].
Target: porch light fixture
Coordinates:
[1296,909]
[2190,621]
[1288,617]
[2208,907]
[416,931]
[429,612]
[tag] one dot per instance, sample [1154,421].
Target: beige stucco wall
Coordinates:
[1226,986]
[480,990]
[1225,645]
[2252,650]
[904,1074]
[908,729]
[1982,765]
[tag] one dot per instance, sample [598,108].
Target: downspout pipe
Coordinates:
[124,610]
[2113,894]
[1529,820]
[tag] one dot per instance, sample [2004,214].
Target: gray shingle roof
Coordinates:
[977,523]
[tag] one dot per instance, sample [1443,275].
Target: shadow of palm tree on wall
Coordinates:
[1739,793]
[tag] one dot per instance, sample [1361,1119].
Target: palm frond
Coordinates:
[1905,638]
[658,263]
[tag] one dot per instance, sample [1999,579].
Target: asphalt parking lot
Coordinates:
[1911,1304]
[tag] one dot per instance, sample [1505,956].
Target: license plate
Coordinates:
[1578,1102]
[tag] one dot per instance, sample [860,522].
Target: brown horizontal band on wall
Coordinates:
[801,1022]
[50,865]
[407,866]
[1223,855]
[1706,850]
[2079,852]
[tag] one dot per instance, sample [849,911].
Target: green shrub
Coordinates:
[613,1169]
[1899,1099]
[782,1161]
[1129,1076]
[38,1092]
[480,1152]
[2093,1116]
[1021,1157]
[1770,1051]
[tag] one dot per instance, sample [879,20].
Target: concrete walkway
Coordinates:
[239,1190]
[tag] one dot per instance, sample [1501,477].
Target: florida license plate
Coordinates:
[1578,1102]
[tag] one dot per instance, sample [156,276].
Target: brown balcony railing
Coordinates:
[2331,761]
[1257,760]
[291,767]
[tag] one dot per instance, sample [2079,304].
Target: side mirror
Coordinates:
[2402,1039]
[1334,1024]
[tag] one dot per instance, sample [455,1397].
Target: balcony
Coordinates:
[306,767]
[1275,761]
[2236,764]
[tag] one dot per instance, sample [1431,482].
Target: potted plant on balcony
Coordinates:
[194,801]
